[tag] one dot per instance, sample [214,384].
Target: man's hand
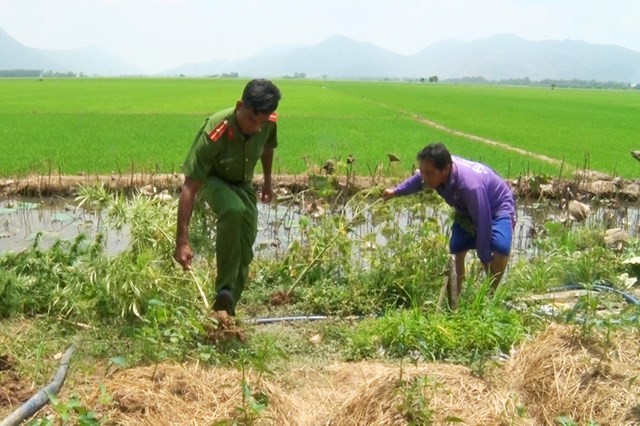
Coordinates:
[267,192]
[388,194]
[184,255]
[183,252]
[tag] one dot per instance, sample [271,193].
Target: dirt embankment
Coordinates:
[582,186]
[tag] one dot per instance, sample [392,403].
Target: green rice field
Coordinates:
[96,126]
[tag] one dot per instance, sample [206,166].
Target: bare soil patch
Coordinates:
[6,362]
[225,329]
[13,389]
[281,298]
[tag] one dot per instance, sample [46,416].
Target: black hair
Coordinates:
[261,95]
[437,154]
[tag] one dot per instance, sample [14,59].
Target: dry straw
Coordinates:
[559,373]
[176,395]
[595,379]
[451,392]
[343,394]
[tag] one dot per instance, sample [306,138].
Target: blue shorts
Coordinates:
[501,234]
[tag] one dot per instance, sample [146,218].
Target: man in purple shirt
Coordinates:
[484,205]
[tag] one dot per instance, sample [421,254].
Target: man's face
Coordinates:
[249,122]
[431,176]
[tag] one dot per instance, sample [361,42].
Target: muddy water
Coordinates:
[52,219]
[531,220]
[24,220]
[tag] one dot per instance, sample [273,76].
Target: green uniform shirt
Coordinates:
[221,150]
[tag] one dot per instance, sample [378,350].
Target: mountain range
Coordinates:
[90,60]
[499,57]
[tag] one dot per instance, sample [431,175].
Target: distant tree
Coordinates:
[298,75]
[20,73]
[433,79]
[591,84]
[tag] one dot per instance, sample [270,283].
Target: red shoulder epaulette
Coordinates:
[273,117]
[218,131]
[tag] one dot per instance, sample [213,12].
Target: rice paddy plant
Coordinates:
[106,129]
[535,120]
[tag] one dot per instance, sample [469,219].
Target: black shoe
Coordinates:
[224,302]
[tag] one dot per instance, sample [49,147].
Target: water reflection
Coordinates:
[279,224]
[21,220]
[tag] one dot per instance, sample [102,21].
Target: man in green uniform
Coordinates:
[220,167]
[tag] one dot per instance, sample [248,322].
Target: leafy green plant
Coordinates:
[415,402]
[253,404]
[170,332]
[71,411]
[568,421]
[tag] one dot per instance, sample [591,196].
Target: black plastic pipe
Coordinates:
[40,399]
[597,287]
[285,319]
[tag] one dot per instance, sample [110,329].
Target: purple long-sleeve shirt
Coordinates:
[476,191]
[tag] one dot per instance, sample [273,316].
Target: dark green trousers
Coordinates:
[236,230]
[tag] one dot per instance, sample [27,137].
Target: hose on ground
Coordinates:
[600,288]
[40,399]
[273,320]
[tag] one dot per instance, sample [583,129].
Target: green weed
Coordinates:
[480,329]
[71,411]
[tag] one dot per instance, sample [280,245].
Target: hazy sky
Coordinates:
[159,34]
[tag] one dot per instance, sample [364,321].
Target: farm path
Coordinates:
[435,125]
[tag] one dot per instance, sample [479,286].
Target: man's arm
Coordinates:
[183,252]
[409,186]
[267,163]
